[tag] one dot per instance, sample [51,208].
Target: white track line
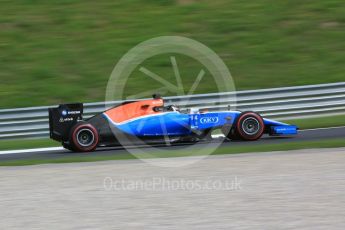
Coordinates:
[52,149]
[31,150]
[337,127]
[61,148]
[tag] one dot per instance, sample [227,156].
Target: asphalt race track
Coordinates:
[304,135]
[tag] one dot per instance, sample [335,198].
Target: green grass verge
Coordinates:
[301,123]
[27,144]
[181,153]
[318,122]
[64,51]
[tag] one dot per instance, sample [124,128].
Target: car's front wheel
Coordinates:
[249,126]
[84,137]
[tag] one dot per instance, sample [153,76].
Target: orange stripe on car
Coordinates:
[133,110]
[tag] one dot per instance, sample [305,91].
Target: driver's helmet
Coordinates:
[174,108]
[194,110]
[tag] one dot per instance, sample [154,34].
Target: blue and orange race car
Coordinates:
[150,121]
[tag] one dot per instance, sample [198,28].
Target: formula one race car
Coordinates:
[150,121]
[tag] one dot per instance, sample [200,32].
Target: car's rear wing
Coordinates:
[62,119]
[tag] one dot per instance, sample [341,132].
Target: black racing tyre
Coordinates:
[84,137]
[249,126]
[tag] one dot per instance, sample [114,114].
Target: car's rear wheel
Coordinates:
[249,126]
[84,137]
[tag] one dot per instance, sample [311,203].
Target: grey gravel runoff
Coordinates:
[302,189]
